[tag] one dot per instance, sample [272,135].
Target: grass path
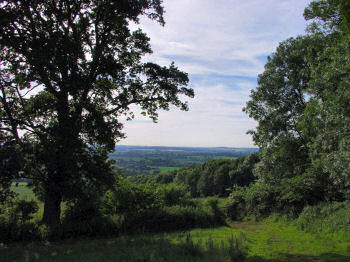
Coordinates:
[278,241]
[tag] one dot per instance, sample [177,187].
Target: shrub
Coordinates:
[257,200]
[236,209]
[84,217]
[288,196]
[173,194]
[127,197]
[15,224]
[26,209]
[171,218]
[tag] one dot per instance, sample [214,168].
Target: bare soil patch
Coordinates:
[244,225]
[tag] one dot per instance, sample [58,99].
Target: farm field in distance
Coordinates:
[143,160]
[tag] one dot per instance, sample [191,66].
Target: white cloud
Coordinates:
[215,119]
[214,41]
[224,30]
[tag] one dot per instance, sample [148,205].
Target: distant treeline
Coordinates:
[214,177]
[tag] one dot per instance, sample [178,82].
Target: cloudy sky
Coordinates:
[222,45]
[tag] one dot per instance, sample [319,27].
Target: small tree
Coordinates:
[70,71]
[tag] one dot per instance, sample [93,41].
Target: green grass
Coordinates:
[263,241]
[23,191]
[283,241]
[161,247]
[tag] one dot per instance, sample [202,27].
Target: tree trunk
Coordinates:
[52,209]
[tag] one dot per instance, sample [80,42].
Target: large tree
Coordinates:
[327,115]
[277,104]
[302,107]
[70,71]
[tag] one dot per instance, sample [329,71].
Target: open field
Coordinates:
[263,241]
[23,191]
[165,169]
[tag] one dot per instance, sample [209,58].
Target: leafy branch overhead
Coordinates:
[83,54]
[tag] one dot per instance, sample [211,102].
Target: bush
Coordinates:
[127,197]
[174,218]
[156,207]
[236,209]
[173,194]
[257,200]
[85,218]
[15,221]
[25,210]
[288,196]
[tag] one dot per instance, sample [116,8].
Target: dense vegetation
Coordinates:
[125,208]
[215,177]
[302,108]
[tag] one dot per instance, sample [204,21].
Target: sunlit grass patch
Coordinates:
[284,241]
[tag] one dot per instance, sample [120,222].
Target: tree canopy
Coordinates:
[70,70]
[301,105]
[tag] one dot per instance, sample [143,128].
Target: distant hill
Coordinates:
[169,148]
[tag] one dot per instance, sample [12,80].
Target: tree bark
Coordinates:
[52,209]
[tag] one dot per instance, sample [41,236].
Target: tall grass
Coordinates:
[157,248]
[326,218]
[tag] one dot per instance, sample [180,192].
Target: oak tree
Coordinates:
[70,72]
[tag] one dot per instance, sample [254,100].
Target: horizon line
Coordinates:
[187,146]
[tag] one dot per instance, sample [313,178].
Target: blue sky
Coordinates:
[222,45]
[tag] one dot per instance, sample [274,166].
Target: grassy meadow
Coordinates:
[268,240]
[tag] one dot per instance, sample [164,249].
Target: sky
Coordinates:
[223,46]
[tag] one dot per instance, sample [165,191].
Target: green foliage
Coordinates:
[218,176]
[255,201]
[25,210]
[10,165]
[15,221]
[173,194]
[175,217]
[301,106]
[129,198]
[67,102]
[288,197]
[326,218]
[157,207]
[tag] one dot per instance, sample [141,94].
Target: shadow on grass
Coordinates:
[140,249]
[145,249]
